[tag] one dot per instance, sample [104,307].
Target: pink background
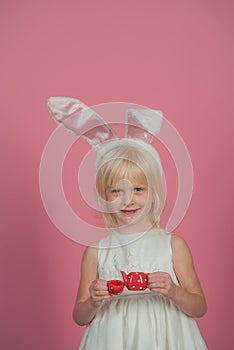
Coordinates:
[173,55]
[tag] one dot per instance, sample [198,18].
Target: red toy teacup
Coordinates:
[115,286]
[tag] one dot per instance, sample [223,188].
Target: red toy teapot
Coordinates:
[133,281]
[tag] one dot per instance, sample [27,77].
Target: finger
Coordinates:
[102,282]
[152,278]
[99,285]
[162,274]
[156,280]
[162,291]
[157,285]
[160,282]
[101,298]
[157,275]
[100,288]
[101,293]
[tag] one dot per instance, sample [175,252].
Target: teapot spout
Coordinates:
[125,277]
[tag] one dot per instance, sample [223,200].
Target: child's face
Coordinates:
[129,201]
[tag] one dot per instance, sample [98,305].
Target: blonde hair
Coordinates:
[127,161]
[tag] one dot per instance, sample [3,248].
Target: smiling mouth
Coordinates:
[129,212]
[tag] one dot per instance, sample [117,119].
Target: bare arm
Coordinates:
[188,296]
[91,290]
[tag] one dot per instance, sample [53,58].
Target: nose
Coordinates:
[128,199]
[127,194]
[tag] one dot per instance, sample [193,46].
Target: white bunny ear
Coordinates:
[143,123]
[81,120]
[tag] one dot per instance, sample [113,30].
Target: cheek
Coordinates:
[112,197]
[113,203]
[147,201]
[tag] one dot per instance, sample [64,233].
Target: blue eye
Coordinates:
[116,190]
[138,189]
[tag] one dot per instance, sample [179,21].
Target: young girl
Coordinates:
[160,317]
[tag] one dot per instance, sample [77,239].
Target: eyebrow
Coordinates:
[134,186]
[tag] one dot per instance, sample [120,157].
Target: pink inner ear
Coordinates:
[81,120]
[99,134]
[143,123]
[136,132]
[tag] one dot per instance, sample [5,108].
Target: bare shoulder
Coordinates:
[90,255]
[180,248]
[178,242]
[182,259]
[89,271]
[184,265]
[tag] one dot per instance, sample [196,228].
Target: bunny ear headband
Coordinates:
[76,117]
[80,120]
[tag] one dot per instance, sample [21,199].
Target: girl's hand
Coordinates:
[161,282]
[98,292]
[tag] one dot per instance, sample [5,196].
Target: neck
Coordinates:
[135,228]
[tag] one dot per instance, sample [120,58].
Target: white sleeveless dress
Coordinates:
[139,320]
